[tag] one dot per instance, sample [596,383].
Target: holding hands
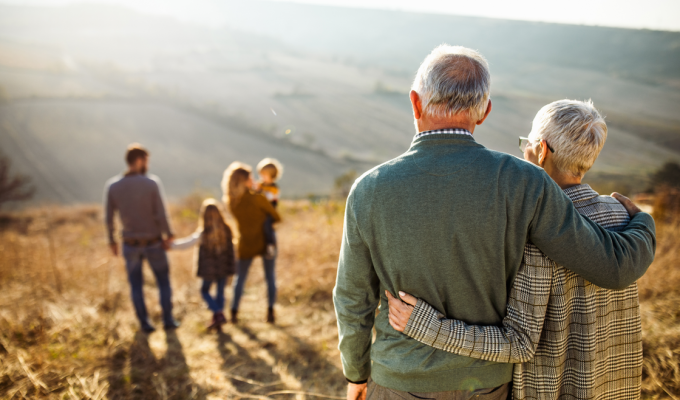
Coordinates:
[167,243]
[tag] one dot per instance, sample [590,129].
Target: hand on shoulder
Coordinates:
[627,204]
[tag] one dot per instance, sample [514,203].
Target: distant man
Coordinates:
[449,220]
[138,198]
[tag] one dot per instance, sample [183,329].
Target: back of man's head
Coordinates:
[452,80]
[575,130]
[134,152]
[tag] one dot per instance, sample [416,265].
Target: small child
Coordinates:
[215,259]
[270,170]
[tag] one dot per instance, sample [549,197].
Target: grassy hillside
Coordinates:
[323,89]
[67,328]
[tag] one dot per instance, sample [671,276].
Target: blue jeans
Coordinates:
[270,276]
[269,232]
[155,255]
[215,304]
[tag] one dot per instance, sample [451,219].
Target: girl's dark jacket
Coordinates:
[214,265]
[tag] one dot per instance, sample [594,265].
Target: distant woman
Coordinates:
[215,257]
[250,210]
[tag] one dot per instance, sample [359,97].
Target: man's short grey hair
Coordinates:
[451,80]
[575,130]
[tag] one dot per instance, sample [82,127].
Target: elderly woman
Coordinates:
[568,337]
[250,210]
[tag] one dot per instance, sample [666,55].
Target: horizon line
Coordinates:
[166,8]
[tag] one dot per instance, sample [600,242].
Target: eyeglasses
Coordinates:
[524,142]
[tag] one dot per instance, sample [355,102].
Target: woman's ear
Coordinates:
[543,154]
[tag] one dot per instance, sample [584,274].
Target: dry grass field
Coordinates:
[67,329]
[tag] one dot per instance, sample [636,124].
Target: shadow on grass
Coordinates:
[302,360]
[247,374]
[136,373]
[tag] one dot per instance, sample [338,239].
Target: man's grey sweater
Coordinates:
[449,220]
[139,201]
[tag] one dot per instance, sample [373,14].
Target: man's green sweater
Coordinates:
[448,221]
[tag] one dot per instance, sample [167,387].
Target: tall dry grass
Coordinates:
[67,329]
[660,304]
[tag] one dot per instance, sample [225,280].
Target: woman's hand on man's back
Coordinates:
[400,309]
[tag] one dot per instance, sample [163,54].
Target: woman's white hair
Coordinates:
[575,130]
[451,80]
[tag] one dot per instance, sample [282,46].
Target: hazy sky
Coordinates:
[652,14]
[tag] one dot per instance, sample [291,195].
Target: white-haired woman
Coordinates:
[569,338]
[250,210]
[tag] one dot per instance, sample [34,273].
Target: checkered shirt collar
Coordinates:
[580,193]
[444,131]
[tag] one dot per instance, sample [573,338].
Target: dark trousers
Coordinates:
[377,392]
[270,277]
[269,232]
[155,255]
[215,304]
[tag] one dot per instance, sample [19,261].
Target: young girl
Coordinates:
[215,257]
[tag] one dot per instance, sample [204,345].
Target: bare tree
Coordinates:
[15,187]
[668,176]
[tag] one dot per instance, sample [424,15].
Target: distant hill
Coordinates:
[323,89]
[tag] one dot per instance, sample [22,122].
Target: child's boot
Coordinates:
[270,316]
[214,323]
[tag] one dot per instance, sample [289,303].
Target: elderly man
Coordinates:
[448,220]
[570,338]
[138,199]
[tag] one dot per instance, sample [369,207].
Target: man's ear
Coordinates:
[416,104]
[486,114]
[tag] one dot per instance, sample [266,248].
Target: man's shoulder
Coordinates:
[122,180]
[153,178]
[513,164]
[147,180]
[515,168]
[386,170]
[114,180]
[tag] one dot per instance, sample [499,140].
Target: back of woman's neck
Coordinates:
[566,181]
